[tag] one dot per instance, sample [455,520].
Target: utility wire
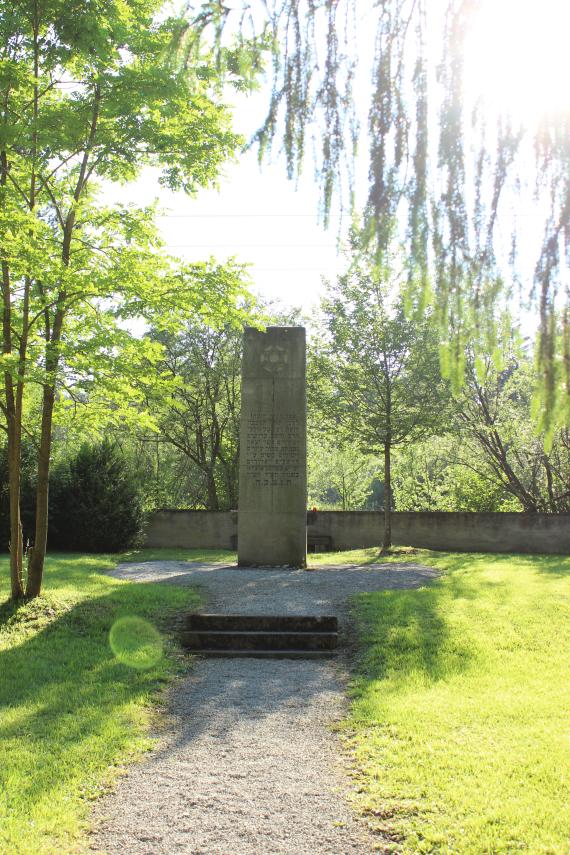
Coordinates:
[240,216]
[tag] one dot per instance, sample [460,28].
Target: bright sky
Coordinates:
[257,216]
[517,55]
[261,218]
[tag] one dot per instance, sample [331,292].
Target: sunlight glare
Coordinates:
[517,57]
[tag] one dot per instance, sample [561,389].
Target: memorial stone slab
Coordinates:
[272,517]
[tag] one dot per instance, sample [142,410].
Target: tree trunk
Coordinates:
[232,489]
[13,416]
[36,568]
[387,542]
[213,502]
[16,538]
[52,339]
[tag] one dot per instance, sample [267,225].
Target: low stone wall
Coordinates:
[463,532]
[191,529]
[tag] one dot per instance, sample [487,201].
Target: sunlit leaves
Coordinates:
[380,374]
[105,104]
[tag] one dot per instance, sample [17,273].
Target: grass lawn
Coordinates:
[217,556]
[460,721]
[71,711]
[459,724]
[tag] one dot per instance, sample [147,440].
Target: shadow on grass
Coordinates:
[554,565]
[68,703]
[404,632]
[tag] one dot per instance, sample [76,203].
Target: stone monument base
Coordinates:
[282,544]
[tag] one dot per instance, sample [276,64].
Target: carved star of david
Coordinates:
[274,359]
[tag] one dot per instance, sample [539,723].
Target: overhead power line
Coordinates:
[323,269]
[235,216]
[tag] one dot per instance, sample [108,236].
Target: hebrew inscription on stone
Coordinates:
[273,449]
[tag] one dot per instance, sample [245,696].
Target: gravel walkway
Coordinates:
[248,764]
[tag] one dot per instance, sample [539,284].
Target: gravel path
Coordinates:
[248,764]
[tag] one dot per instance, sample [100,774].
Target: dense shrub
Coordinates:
[94,502]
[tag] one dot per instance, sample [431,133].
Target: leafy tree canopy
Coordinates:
[88,93]
[378,384]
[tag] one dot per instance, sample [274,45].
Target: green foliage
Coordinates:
[239,58]
[491,458]
[192,459]
[488,457]
[458,720]
[88,94]
[165,477]
[198,412]
[95,503]
[338,478]
[551,399]
[374,378]
[494,414]
[447,474]
[469,491]
[79,714]
[378,369]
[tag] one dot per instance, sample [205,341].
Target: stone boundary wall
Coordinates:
[191,529]
[463,532]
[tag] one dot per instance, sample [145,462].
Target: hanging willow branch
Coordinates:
[442,178]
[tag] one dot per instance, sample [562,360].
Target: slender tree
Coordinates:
[86,93]
[199,415]
[380,383]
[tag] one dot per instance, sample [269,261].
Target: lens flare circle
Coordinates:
[136,642]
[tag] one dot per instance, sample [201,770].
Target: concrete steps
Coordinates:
[292,636]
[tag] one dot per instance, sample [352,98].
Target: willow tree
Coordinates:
[450,172]
[87,94]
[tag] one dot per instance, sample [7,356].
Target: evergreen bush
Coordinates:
[95,504]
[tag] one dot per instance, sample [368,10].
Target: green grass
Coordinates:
[218,556]
[460,721]
[71,711]
[314,560]
[370,555]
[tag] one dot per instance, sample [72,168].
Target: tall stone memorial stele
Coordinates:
[272,518]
